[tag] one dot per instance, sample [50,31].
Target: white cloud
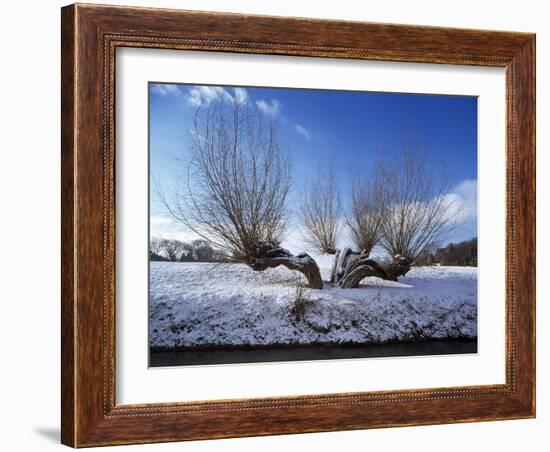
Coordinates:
[303,131]
[241,95]
[204,95]
[167,228]
[463,201]
[272,108]
[155,221]
[165,89]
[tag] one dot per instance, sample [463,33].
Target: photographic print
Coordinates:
[290,224]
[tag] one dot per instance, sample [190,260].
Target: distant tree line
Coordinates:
[173,250]
[460,254]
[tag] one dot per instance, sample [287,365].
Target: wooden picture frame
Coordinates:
[90,36]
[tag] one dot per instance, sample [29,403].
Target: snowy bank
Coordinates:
[202,305]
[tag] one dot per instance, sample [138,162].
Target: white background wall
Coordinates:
[29,224]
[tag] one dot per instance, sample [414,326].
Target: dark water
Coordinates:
[307,353]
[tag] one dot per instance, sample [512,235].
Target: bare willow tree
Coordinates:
[409,210]
[321,212]
[366,215]
[233,190]
[419,208]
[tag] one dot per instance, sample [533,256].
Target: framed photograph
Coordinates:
[282,225]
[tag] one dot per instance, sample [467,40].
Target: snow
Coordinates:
[201,305]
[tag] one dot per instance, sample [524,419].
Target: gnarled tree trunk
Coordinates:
[350,267]
[271,255]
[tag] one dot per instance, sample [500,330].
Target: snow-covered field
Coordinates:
[197,305]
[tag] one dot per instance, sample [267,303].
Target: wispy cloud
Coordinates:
[198,96]
[166,89]
[272,108]
[205,95]
[303,131]
[241,95]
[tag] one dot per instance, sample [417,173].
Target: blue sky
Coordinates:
[320,126]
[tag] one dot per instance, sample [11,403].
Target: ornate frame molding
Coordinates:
[90,37]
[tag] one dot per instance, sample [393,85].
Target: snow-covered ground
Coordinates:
[229,304]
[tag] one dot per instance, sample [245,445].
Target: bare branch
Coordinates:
[367,212]
[419,210]
[321,212]
[233,190]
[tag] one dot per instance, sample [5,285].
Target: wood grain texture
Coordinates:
[67,226]
[90,36]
